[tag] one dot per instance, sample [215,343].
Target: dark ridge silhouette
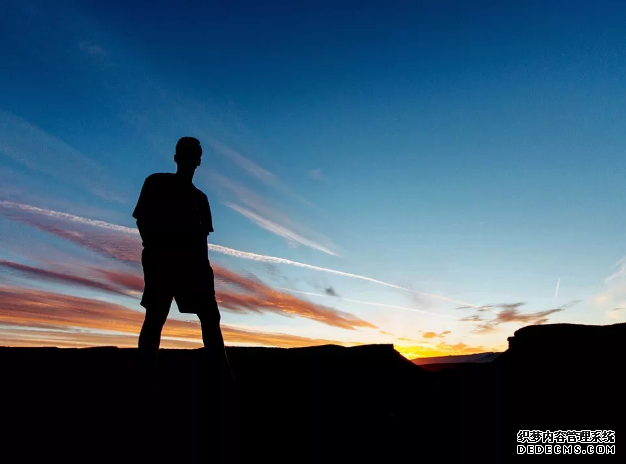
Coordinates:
[325,403]
[318,404]
[564,377]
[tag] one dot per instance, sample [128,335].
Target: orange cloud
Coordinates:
[127,248]
[57,319]
[20,337]
[258,297]
[435,334]
[261,297]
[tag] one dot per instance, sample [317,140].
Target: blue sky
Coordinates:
[468,150]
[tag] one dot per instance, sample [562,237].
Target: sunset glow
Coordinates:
[420,180]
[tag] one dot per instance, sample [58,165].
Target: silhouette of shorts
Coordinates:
[188,279]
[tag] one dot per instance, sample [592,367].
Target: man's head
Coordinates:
[188,153]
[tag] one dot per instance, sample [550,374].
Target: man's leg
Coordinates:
[150,432]
[205,305]
[213,340]
[219,405]
[150,340]
[156,299]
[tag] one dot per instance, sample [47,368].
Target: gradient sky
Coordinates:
[462,162]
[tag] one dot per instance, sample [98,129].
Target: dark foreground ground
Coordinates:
[319,404]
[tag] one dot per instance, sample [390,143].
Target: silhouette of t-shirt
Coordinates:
[173,215]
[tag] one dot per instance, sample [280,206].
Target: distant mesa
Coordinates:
[558,338]
[458,359]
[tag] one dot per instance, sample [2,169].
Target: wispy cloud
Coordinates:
[131,281]
[28,337]
[259,297]
[98,54]
[613,296]
[49,275]
[619,272]
[279,230]
[251,295]
[244,163]
[261,211]
[253,169]
[116,242]
[616,313]
[129,247]
[276,260]
[38,151]
[22,309]
[93,49]
[371,303]
[509,312]
[316,174]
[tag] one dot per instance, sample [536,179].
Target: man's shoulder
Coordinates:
[159,177]
[200,193]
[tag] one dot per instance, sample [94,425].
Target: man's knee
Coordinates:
[211,316]
[155,317]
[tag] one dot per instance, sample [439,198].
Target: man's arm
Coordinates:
[144,209]
[205,216]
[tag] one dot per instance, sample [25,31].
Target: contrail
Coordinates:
[226,251]
[275,260]
[367,302]
[69,217]
[556,291]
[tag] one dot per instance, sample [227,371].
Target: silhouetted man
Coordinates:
[174,220]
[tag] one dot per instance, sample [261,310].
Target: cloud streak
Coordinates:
[260,211]
[371,303]
[316,174]
[61,318]
[509,312]
[92,49]
[123,245]
[259,297]
[48,275]
[244,163]
[252,168]
[279,230]
[556,290]
[25,337]
[129,247]
[252,295]
[38,151]
[613,296]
